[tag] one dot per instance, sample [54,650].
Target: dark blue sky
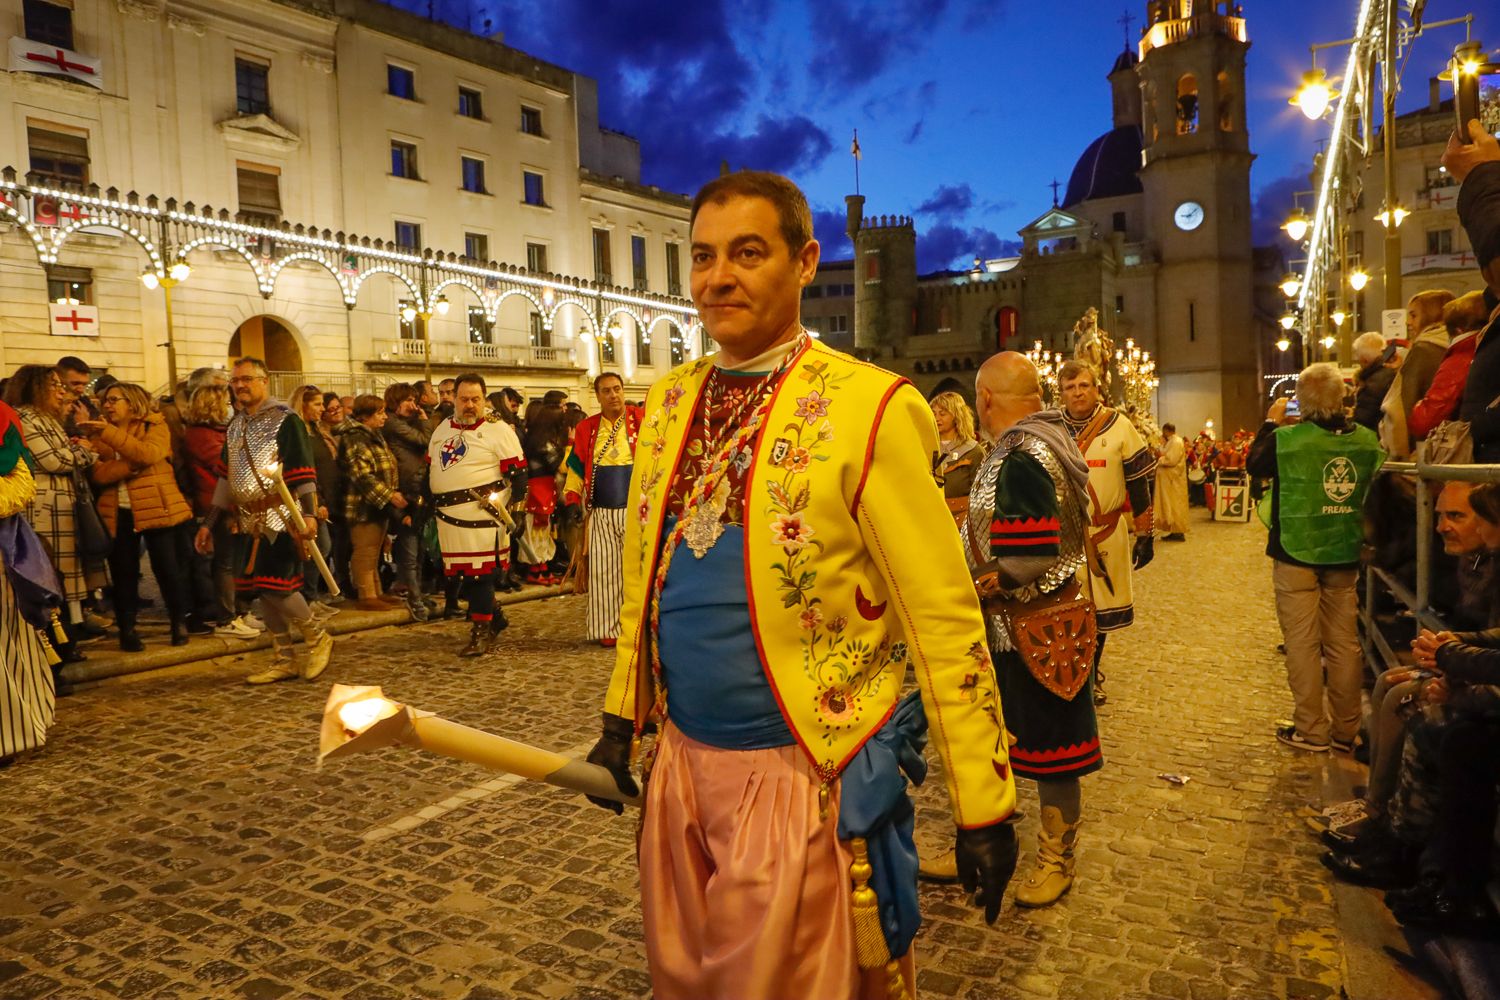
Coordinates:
[966,110]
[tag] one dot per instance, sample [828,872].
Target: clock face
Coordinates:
[1189,216]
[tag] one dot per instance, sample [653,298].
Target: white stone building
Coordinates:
[322,165]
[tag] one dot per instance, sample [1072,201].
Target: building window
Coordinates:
[48,23]
[607,353]
[812,292]
[260,195]
[70,285]
[679,355]
[479,326]
[470,103]
[1439,241]
[408,235]
[638,262]
[533,193]
[604,272]
[473,174]
[1119,303]
[407,327]
[945,318]
[404,160]
[1187,104]
[674,269]
[531,120]
[847,291]
[1119,221]
[477,247]
[540,335]
[872,268]
[1192,321]
[61,159]
[838,323]
[252,87]
[400,82]
[536,257]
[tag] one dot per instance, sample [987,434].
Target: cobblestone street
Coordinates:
[176,839]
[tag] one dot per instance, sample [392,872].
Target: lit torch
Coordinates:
[362,718]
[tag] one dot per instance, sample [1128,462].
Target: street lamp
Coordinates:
[1384,216]
[1288,320]
[1283,343]
[1315,94]
[410,313]
[1358,280]
[1290,285]
[1296,225]
[1338,316]
[176,274]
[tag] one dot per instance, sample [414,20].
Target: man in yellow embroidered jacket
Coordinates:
[785,564]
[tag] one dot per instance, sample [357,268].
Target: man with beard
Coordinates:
[263,435]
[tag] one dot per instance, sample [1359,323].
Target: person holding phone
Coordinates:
[1474,161]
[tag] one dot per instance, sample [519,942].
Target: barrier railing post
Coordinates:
[1424,544]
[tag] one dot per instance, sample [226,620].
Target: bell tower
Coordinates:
[1196,176]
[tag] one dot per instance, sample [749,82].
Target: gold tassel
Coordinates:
[52,658]
[870,948]
[58,635]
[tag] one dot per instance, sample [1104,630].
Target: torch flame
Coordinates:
[495,497]
[357,716]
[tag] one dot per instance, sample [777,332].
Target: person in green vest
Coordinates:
[1321,466]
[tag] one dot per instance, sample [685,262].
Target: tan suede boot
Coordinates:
[942,868]
[283,665]
[1054,861]
[319,647]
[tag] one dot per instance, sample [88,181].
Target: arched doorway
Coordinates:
[954,385]
[266,338]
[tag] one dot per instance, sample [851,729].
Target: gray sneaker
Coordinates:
[321,611]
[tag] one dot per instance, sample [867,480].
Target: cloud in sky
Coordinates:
[863,38]
[948,200]
[947,245]
[1273,203]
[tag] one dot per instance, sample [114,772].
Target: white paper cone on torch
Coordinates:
[360,718]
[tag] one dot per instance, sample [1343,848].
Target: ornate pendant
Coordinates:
[706,525]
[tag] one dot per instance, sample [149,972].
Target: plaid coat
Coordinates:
[52,458]
[369,474]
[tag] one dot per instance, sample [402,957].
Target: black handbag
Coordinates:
[94,539]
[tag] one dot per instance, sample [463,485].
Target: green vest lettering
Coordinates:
[1322,480]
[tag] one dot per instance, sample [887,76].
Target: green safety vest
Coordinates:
[1322,479]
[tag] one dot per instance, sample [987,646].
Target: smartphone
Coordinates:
[1292,409]
[1466,104]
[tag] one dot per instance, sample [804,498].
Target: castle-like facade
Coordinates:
[1154,232]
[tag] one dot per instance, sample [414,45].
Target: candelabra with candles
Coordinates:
[1137,371]
[1048,364]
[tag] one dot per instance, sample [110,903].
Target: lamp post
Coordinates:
[175,275]
[429,308]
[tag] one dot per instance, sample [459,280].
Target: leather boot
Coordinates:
[479,640]
[1054,861]
[130,639]
[283,665]
[319,647]
[179,637]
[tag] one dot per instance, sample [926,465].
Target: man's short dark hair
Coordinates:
[329,397]
[470,378]
[1072,369]
[602,377]
[253,362]
[366,406]
[554,397]
[447,381]
[790,203]
[69,363]
[397,393]
[1165,428]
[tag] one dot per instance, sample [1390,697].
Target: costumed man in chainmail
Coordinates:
[477,465]
[1024,537]
[265,440]
[598,475]
[1122,481]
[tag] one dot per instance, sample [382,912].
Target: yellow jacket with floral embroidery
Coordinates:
[853,571]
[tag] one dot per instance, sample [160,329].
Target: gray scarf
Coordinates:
[1049,426]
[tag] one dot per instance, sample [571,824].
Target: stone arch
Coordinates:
[272,339]
[458,280]
[263,280]
[951,384]
[588,318]
[359,281]
[1187,104]
[280,265]
[60,237]
[1227,101]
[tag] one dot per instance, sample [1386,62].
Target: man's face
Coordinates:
[611,396]
[76,382]
[429,397]
[746,282]
[333,411]
[250,387]
[1461,528]
[445,392]
[1080,395]
[512,404]
[469,403]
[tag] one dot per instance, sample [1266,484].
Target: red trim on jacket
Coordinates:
[588,430]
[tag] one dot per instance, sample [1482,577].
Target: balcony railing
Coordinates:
[444,352]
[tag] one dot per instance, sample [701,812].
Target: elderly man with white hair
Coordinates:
[1372,353]
[1320,467]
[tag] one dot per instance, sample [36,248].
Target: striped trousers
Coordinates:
[606,573]
[26,694]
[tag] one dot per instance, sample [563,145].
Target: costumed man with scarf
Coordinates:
[1122,481]
[774,602]
[264,441]
[598,477]
[1025,539]
[476,466]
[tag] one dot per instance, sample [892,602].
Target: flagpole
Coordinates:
[854,151]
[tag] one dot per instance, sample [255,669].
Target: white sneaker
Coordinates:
[252,622]
[236,629]
[321,611]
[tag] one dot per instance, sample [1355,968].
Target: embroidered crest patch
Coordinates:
[453,451]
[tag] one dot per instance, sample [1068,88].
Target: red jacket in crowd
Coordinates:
[1441,401]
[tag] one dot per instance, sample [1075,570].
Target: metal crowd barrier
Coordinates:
[1418,602]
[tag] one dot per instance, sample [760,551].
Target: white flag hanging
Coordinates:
[27,56]
[74,320]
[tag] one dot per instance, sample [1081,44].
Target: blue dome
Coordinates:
[1126,60]
[1107,169]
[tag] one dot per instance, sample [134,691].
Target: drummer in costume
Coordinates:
[773,605]
[262,436]
[476,466]
[1025,538]
[1121,483]
[598,476]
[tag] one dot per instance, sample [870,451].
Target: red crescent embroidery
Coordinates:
[869,612]
[1001,768]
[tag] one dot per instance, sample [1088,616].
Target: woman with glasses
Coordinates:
[139,499]
[41,399]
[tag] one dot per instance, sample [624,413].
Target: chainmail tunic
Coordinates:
[251,447]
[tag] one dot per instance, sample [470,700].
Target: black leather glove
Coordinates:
[612,753]
[986,860]
[1144,552]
